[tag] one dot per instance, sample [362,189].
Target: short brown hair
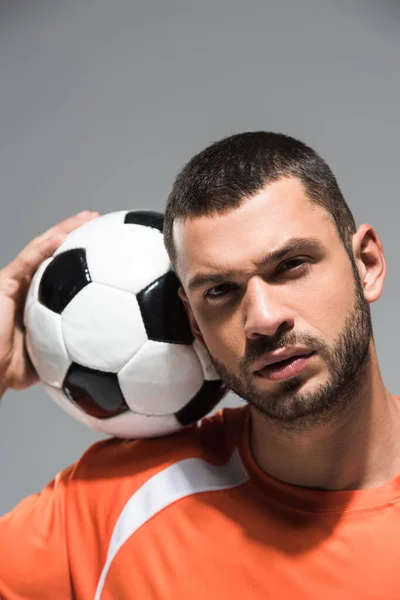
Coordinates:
[223,175]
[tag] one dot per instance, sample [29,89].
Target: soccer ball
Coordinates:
[109,336]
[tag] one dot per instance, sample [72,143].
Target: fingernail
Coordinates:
[84,213]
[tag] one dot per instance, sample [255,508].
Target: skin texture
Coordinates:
[334,425]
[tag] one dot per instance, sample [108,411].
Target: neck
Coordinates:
[360,449]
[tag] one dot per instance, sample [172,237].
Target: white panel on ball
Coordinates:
[161,378]
[129,258]
[134,425]
[45,344]
[103,327]
[33,291]
[123,425]
[97,229]
[203,355]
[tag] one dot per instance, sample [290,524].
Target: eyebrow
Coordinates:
[200,280]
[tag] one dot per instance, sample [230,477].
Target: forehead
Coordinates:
[238,238]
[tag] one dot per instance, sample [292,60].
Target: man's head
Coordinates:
[269,259]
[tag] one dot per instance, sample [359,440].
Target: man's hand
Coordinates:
[16,370]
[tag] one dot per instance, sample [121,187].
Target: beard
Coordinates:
[293,408]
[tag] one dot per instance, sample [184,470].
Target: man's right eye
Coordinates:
[218,291]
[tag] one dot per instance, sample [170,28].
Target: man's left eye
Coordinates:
[292,264]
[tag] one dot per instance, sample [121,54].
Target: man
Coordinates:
[294,495]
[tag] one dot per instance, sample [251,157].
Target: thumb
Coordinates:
[8,309]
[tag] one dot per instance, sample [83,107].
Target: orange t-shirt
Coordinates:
[192,516]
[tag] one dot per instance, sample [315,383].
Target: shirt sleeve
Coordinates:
[33,548]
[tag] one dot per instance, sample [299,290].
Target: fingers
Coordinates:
[42,247]
[70,224]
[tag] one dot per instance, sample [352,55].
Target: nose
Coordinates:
[265,313]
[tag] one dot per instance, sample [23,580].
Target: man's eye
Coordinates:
[294,264]
[218,291]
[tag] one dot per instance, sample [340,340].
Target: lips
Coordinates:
[279,356]
[281,370]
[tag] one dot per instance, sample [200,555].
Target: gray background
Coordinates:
[101,104]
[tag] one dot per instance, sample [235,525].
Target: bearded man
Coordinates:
[292,495]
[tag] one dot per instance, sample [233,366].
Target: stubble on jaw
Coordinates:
[347,362]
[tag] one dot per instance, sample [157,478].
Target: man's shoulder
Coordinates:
[132,462]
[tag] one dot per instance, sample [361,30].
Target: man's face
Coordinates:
[245,303]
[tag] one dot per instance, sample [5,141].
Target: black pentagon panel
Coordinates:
[164,316]
[64,277]
[97,393]
[148,218]
[202,403]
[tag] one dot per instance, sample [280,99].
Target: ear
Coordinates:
[370,259]
[193,323]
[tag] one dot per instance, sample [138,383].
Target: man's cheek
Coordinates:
[226,351]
